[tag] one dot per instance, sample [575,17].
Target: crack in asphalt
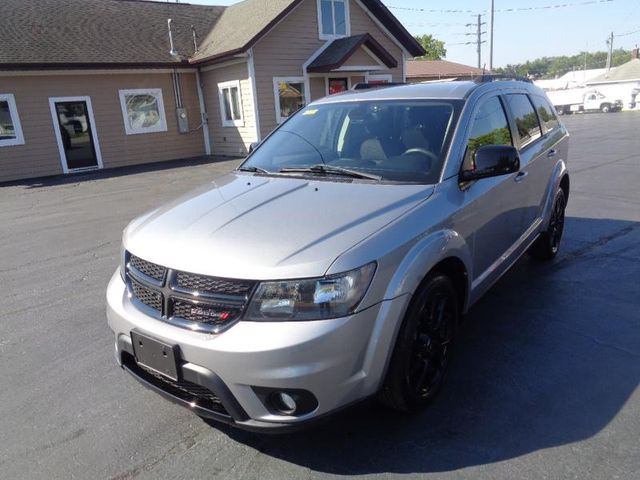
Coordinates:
[603,164]
[571,256]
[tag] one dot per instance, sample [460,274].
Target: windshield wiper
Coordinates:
[332,170]
[253,169]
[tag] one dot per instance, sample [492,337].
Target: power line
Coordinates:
[503,10]
[628,33]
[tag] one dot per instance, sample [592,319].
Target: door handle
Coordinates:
[552,153]
[521,176]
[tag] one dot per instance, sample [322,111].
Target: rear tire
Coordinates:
[422,352]
[547,245]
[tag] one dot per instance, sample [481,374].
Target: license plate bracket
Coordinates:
[155,355]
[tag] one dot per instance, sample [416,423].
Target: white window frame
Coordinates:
[56,129]
[228,86]
[15,121]
[276,93]
[384,77]
[156,92]
[347,19]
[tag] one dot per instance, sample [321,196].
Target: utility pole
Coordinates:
[479,39]
[491,36]
[609,57]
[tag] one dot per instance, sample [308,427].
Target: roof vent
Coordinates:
[172,52]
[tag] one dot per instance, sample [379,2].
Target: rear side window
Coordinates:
[489,127]
[526,119]
[546,113]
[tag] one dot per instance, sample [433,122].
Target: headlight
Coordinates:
[310,299]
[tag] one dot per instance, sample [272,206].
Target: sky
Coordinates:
[518,35]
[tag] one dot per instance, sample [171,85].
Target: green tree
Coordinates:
[553,67]
[435,48]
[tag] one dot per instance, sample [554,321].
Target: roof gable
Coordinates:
[244,23]
[340,50]
[241,25]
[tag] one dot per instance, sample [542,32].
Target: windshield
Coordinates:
[400,140]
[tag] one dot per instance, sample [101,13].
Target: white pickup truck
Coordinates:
[574,100]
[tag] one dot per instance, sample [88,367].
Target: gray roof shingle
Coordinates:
[79,33]
[240,25]
[87,32]
[627,72]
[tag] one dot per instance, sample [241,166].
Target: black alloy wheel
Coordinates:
[546,247]
[423,349]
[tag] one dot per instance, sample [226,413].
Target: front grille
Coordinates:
[147,296]
[187,391]
[209,314]
[188,300]
[152,270]
[213,285]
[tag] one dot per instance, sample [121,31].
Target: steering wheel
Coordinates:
[427,153]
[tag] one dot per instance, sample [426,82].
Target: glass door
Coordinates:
[76,134]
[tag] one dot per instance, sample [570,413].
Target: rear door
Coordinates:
[553,149]
[533,177]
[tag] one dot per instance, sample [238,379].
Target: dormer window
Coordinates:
[333,18]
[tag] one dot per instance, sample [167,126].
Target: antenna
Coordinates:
[172,52]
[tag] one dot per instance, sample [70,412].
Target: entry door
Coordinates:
[75,134]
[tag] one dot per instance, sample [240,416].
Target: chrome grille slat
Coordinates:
[188,300]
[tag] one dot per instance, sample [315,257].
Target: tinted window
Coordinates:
[401,141]
[525,117]
[546,113]
[489,127]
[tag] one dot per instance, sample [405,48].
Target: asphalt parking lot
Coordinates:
[544,384]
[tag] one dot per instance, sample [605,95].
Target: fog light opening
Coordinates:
[284,403]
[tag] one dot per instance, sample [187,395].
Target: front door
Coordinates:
[75,134]
[494,206]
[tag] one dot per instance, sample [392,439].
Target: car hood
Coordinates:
[259,227]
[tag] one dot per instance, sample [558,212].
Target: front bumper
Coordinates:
[340,361]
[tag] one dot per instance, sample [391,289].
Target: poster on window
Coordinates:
[337,85]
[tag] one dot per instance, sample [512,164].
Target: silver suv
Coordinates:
[337,261]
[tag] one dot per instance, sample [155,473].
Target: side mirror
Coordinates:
[492,161]
[253,146]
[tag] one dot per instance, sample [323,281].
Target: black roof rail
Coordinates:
[494,77]
[368,86]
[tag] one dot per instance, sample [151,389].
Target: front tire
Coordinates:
[547,245]
[606,108]
[422,351]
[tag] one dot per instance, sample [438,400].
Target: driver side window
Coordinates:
[489,127]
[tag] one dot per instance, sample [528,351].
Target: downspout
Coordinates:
[254,91]
[204,118]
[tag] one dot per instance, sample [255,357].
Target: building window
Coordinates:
[10,129]
[143,111]
[333,18]
[289,96]
[379,79]
[230,104]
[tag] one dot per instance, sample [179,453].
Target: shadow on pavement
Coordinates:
[113,172]
[548,357]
